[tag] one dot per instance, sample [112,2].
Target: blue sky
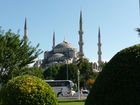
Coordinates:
[117,19]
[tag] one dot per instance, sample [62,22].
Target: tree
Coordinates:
[27,90]
[85,72]
[138,30]
[51,72]
[15,55]
[119,82]
[102,65]
[35,71]
[59,72]
[72,72]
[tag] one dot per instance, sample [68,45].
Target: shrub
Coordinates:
[119,82]
[27,90]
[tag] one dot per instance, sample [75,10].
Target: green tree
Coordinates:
[27,90]
[51,72]
[138,30]
[14,55]
[86,72]
[72,72]
[35,71]
[102,65]
[118,83]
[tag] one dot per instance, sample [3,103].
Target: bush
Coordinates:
[119,82]
[27,90]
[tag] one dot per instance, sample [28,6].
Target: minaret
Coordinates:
[99,48]
[81,43]
[53,41]
[25,31]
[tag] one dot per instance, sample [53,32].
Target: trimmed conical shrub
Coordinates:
[119,82]
[27,90]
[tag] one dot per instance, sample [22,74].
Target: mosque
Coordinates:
[64,52]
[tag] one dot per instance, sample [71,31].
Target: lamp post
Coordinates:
[78,73]
[67,64]
[67,70]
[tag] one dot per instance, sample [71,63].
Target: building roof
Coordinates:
[64,44]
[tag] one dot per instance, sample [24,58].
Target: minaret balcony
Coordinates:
[81,32]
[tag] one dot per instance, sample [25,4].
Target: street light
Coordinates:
[67,71]
[78,73]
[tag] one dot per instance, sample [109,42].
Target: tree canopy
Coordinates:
[60,72]
[86,72]
[71,69]
[35,71]
[15,55]
[119,82]
[51,72]
[138,30]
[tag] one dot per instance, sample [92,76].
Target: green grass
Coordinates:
[71,102]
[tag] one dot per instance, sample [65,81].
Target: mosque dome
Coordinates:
[64,44]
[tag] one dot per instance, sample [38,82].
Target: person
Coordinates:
[72,92]
[61,92]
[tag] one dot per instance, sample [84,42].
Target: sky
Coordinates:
[117,19]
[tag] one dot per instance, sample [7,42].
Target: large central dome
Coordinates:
[64,44]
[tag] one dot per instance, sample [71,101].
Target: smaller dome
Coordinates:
[58,55]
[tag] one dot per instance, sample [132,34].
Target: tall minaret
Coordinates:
[81,43]
[53,41]
[25,31]
[99,48]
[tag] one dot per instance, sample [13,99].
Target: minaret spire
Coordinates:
[25,31]
[81,43]
[53,40]
[81,21]
[99,48]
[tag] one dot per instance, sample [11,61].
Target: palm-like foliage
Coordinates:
[138,30]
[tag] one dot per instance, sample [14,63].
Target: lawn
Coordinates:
[71,102]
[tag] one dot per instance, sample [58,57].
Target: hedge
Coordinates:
[119,81]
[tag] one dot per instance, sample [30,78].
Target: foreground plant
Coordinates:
[27,90]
